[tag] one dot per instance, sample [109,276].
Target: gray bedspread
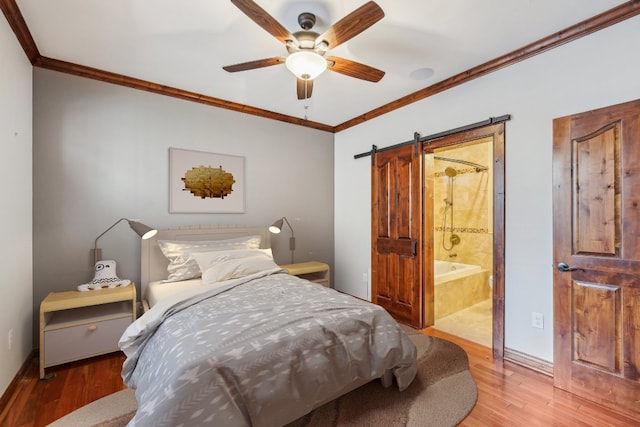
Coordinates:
[258,352]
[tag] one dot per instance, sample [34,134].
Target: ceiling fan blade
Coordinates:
[262,18]
[305,88]
[352,24]
[259,63]
[354,69]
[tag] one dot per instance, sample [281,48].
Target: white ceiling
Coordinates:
[185,44]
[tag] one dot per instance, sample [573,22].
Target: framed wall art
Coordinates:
[201,182]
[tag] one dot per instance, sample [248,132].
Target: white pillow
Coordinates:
[218,266]
[183,267]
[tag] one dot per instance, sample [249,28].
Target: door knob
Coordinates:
[563,266]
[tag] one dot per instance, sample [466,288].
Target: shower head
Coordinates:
[450,172]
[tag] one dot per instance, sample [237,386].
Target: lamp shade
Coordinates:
[306,65]
[276,227]
[144,231]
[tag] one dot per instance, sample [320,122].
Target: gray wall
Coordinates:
[15,216]
[100,152]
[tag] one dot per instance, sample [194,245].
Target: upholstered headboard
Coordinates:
[154,263]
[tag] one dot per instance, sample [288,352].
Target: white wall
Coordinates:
[15,216]
[595,71]
[101,153]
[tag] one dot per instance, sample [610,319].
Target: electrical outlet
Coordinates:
[10,339]
[537,320]
[365,277]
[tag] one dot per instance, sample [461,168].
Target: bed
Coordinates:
[247,344]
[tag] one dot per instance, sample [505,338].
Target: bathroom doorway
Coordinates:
[463,227]
[462,185]
[403,221]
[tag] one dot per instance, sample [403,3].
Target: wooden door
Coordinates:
[396,233]
[596,204]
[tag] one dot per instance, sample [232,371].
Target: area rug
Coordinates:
[442,394]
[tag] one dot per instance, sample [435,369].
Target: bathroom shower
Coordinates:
[454,239]
[450,172]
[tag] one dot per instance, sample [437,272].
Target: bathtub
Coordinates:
[458,286]
[445,271]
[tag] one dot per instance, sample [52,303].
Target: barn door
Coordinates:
[396,233]
[596,204]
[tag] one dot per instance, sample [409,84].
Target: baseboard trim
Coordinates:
[12,390]
[528,361]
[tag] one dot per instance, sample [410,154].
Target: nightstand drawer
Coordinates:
[89,339]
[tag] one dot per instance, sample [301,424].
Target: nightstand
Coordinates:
[314,271]
[75,325]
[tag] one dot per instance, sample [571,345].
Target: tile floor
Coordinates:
[472,323]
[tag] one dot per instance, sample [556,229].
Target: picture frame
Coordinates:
[203,182]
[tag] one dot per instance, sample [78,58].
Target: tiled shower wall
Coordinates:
[472,205]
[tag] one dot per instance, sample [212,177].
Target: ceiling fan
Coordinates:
[307,49]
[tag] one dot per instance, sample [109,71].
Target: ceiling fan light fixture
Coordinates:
[306,65]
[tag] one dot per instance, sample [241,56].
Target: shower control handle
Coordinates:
[563,266]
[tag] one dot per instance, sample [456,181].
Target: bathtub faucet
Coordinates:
[453,255]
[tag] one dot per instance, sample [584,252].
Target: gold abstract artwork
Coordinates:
[208,182]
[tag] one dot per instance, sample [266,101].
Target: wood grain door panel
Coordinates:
[596,202]
[396,234]
[596,183]
[597,304]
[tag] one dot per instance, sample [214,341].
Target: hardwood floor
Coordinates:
[508,394]
[511,395]
[38,403]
